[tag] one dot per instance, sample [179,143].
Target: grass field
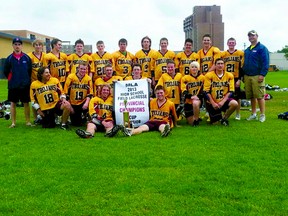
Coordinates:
[208,170]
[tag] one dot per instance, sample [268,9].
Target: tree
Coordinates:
[285,51]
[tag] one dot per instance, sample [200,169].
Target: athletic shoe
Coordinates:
[113,131]
[252,117]
[224,122]
[166,130]
[262,118]
[237,117]
[126,131]
[64,127]
[83,134]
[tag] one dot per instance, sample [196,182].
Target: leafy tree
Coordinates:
[285,51]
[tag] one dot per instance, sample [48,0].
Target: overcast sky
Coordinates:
[110,20]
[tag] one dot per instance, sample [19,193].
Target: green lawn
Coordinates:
[208,170]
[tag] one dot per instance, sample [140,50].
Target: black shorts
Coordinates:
[239,94]
[216,114]
[188,110]
[48,121]
[79,115]
[19,94]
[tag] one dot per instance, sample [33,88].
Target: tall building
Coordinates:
[205,20]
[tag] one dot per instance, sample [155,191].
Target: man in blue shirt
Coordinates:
[18,69]
[256,65]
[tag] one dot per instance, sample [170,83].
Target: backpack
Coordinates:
[283,116]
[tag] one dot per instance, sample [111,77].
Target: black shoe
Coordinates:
[166,130]
[83,134]
[64,127]
[224,122]
[126,131]
[113,131]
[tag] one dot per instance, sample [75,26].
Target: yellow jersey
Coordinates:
[47,94]
[78,90]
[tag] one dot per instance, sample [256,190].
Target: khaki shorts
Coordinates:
[253,88]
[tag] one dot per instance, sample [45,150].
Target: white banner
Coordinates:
[136,92]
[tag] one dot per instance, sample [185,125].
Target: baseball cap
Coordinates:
[17,40]
[252,32]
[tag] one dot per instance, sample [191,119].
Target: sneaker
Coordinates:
[252,117]
[224,122]
[126,131]
[238,117]
[262,118]
[113,131]
[83,134]
[64,127]
[166,130]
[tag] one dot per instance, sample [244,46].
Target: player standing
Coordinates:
[208,54]
[123,59]
[145,57]
[37,58]
[161,57]
[234,60]
[100,59]
[184,59]
[57,62]
[78,57]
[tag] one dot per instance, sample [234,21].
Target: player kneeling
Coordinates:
[49,100]
[100,110]
[219,86]
[160,118]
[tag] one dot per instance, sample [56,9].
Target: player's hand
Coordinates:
[237,84]
[85,106]
[260,78]
[39,112]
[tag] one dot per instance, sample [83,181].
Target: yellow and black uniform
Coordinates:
[218,88]
[233,62]
[103,81]
[193,86]
[99,62]
[47,96]
[207,58]
[163,114]
[74,60]
[183,61]
[123,63]
[161,62]
[146,59]
[102,108]
[36,64]
[78,90]
[172,87]
[58,66]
